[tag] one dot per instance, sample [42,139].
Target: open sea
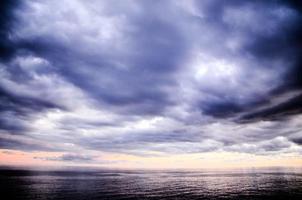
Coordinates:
[276,183]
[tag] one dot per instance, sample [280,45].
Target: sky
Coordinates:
[151,84]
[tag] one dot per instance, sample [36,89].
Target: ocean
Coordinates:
[151,184]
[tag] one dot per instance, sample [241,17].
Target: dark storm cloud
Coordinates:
[160,76]
[221,109]
[285,43]
[156,46]
[278,112]
[297,140]
[7,18]
[135,78]
[22,105]
[15,110]
[268,44]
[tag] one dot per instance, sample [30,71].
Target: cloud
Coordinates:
[277,112]
[7,18]
[24,143]
[276,145]
[69,158]
[150,78]
[7,152]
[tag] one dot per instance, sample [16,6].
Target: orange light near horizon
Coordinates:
[215,160]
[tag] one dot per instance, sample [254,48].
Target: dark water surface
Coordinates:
[71,185]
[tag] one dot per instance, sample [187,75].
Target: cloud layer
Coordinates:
[151,78]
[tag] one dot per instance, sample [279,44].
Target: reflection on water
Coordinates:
[250,184]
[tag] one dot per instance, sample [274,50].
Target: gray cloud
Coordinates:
[24,144]
[146,77]
[69,158]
